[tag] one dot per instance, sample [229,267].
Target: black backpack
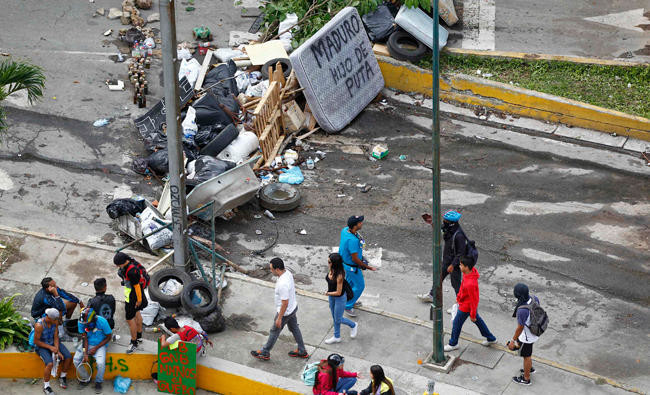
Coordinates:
[471,249]
[102,305]
[538,317]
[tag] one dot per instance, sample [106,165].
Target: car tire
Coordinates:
[199,311]
[279,197]
[213,322]
[159,277]
[219,143]
[399,52]
[286,67]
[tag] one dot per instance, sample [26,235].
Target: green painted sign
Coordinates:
[177,368]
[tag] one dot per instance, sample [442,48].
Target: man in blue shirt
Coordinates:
[96,333]
[50,295]
[351,250]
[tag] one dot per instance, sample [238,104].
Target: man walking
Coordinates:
[454,248]
[286,308]
[48,346]
[96,333]
[351,250]
[134,279]
[467,299]
[523,338]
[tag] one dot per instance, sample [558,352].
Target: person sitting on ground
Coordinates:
[52,296]
[48,347]
[96,333]
[379,384]
[332,379]
[186,334]
[103,304]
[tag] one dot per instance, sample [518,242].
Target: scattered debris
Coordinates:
[302,232]
[258,232]
[115,85]
[114,13]
[379,152]
[108,32]
[100,11]
[269,214]
[155,17]
[101,122]
[402,158]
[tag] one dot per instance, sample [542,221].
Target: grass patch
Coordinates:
[604,86]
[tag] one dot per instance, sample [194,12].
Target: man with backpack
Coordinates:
[532,321]
[186,334]
[104,305]
[135,279]
[456,245]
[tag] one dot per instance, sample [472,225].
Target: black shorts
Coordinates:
[525,349]
[130,308]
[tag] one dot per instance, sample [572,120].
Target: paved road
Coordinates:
[600,29]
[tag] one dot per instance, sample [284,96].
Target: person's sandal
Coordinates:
[298,354]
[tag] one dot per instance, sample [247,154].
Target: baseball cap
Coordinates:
[52,313]
[355,219]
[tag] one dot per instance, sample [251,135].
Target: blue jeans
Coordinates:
[100,360]
[354,276]
[337,306]
[345,383]
[461,316]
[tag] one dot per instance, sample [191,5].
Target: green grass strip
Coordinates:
[604,86]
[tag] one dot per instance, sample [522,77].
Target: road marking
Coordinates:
[628,236]
[5,181]
[522,207]
[478,24]
[629,20]
[542,256]
[456,197]
[637,209]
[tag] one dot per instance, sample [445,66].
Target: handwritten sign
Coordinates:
[153,120]
[338,70]
[177,369]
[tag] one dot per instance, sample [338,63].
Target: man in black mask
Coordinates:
[455,247]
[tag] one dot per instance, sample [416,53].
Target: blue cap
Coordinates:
[452,216]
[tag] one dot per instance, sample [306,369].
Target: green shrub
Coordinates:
[13,327]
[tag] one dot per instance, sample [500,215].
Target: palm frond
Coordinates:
[16,76]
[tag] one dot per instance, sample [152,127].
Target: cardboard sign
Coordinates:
[338,70]
[177,368]
[153,120]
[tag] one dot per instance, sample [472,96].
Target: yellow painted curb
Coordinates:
[481,92]
[139,367]
[535,56]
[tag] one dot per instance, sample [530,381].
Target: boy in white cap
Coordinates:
[47,345]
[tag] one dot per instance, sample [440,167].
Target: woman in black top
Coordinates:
[337,297]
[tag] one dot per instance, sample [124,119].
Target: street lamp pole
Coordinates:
[172,118]
[438,355]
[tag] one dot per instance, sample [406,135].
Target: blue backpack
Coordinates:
[309,373]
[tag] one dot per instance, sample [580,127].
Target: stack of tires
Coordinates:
[206,312]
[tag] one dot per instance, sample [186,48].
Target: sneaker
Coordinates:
[82,385]
[449,347]
[63,382]
[449,310]
[261,355]
[298,354]
[351,312]
[487,343]
[333,340]
[532,370]
[358,304]
[98,388]
[521,380]
[48,391]
[426,298]
[354,331]
[132,348]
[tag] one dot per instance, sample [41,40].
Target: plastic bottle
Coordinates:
[310,163]
[152,330]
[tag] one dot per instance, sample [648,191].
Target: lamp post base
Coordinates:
[443,367]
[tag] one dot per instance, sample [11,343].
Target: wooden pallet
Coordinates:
[268,124]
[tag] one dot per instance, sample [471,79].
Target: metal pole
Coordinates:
[438,355]
[174,145]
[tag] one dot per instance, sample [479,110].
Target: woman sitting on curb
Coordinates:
[380,384]
[332,379]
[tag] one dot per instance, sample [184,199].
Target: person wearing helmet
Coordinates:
[332,379]
[455,246]
[96,333]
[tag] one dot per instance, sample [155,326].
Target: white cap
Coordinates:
[52,313]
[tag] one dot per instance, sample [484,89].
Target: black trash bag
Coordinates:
[120,207]
[213,322]
[158,162]
[223,73]
[208,111]
[155,141]
[207,167]
[140,165]
[191,150]
[133,34]
[379,23]
[207,134]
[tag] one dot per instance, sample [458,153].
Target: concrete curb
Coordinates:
[428,324]
[540,56]
[511,99]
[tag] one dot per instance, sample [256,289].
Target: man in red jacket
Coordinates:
[467,300]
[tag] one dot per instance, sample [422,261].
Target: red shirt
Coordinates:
[324,385]
[467,297]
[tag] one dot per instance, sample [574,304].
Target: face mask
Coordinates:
[446,226]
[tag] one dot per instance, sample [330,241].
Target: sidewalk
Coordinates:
[393,341]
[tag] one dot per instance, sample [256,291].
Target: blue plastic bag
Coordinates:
[292,176]
[121,384]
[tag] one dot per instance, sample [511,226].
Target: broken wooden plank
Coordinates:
[308,133]
[274,152]
[204,70]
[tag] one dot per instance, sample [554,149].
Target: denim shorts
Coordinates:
[46,355]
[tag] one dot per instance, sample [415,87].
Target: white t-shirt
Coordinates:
[285,290]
